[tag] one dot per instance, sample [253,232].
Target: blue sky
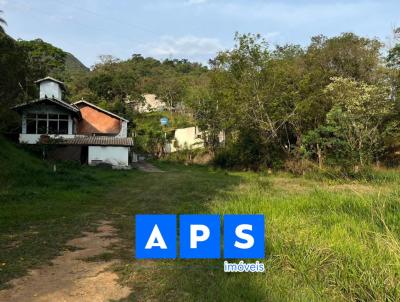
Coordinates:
[193,29]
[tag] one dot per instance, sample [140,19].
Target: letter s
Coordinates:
[249,239]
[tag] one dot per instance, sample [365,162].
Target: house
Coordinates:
[151,103]
[185,138]
[188,139]
[80,131]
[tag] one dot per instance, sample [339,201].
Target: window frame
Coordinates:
[48,117]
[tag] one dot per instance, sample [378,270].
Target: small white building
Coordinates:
[189,138]
[185,139]
[82,131]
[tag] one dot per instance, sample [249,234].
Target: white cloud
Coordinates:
[186,46]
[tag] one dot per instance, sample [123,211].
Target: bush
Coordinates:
[189,156]
[300,166]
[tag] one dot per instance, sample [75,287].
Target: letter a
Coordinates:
[155,239]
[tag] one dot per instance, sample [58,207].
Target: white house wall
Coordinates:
[124,129]
[188,138]
[50,89]
[114,155]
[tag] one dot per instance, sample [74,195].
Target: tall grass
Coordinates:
[327,238]
[325,242]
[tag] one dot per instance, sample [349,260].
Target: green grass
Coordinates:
[326,239]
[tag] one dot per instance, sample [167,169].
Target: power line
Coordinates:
[117,21]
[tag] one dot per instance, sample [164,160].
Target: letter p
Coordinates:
[195,229]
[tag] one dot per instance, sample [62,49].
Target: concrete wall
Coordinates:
[50,89]
[186,138]
[72,153]
[34,138]
[124,129]
[114,155]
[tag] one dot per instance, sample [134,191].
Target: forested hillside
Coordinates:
[334,102]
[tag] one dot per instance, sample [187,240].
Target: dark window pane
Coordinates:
[31,115]
[42,116]
[53,125]
[53,116]
[31,126]
[63,116]
[42,127]
[63,127]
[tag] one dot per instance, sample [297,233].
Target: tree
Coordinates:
[358,117]
[43,59]
[2,22]
[13,60]
[172,89]
[393,64]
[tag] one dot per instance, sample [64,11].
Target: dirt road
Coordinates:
[71,277]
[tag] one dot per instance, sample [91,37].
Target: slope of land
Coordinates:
[73,65]
[327,239]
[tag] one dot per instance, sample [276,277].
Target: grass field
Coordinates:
[326,239]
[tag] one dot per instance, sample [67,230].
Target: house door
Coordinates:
[84,154]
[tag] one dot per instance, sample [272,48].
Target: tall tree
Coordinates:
[358,115]
[13,60]
[2,22]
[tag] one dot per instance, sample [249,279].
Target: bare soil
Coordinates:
[72,278]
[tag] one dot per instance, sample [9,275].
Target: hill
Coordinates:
[73,65]
[47,59]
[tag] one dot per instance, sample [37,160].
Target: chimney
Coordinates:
[50,88]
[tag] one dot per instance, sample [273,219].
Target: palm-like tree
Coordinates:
[2,22]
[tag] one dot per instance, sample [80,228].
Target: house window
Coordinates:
[53,127]
[63,127]
[41,126]
[31,126]
[46,123]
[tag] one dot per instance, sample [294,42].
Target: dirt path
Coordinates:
[146,167]
[70,278]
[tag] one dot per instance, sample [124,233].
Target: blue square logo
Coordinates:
[244,236]
[155,236]
[200,236]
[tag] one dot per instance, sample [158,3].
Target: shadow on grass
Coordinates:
[180,190]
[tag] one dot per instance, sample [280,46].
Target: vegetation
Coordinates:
[39,208]
[326,112]
[332,103]
[2,22]
[151,136]
[292,103]
[327,239]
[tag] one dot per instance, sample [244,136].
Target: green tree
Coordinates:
[358,116]
[13,61]
[43,59]
[2,22]
[255,90]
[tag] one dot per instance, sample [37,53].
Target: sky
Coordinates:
[191,29]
